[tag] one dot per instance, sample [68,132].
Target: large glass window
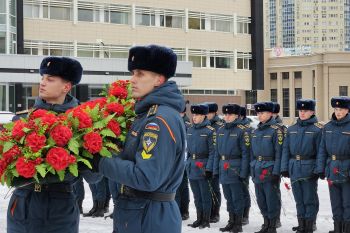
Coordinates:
[2,6]
[221,62]
[343,90]
[196,21]
[61,13]
[172,21]
[86,15]
[274,95]
[243,28]
[2,42]
[298,95]
[198,61]
[146,19]
[221,25]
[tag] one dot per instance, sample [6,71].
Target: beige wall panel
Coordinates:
[227,79]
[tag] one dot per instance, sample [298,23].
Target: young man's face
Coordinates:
[264,116]
[197,118]
[305,114]
[230,118]
[53,88]
[340,113]
[211,115]
[143,82]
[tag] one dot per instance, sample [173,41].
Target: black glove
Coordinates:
[275,179]
[285,174]
[321,175]
[241,179]
[314,176]
[94,161]
[208,175]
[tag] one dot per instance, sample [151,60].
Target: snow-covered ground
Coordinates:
[288,218]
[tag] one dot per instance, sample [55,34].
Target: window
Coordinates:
[273,95]
[30,10]
[285,75]
[198,61]
[285,93]
[171,21]
[297,74]
[343,90]
[221,25]
[145,17]
[60,13]
[119,17]
[196,20]
[243,60]
[2,42]
[86,15]
[2,7]
[243,28]
[273,76]
[298,95]
[221,62]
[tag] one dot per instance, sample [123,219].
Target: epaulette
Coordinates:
[319,125]
[211,128]
[188,123]
[152,111]
[274,126]
[23,112]
[219,123]
[247,125]
[241,126]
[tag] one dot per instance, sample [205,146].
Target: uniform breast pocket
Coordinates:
[18,205]
[130,215]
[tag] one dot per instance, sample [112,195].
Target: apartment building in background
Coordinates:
[219,44]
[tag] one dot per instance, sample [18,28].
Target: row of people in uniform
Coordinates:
[233,151]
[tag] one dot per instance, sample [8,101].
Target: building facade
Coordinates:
[214,36]
[319,25]
[318,76]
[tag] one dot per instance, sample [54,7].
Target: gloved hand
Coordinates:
[94,161]
[275,179]
[321,175]
[285,174]
[314,176]
[208,175]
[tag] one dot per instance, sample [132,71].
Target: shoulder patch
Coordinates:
[152,111]
[241,126]
[319,125]
[152,126]
[211,128]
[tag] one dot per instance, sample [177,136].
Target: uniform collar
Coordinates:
[270,122]
[203,124]
[310,121]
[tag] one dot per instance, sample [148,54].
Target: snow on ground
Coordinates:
[288,218]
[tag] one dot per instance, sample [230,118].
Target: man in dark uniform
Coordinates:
[275,114]
[245,121]
[216,123]
[266,149]
[151,166]
[50,206]
[300,149]
[183,193]
[232,164]
[333,162]
[199,166]
[100,197]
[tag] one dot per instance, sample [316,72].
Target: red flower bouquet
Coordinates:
[47,143]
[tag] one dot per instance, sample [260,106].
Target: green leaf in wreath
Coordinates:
[15,173]
[61,175]
[112,146]
[41,169]
[105,152]
[99,124]
[36,178]
[94,112]
[87,154]
[86,162]
[73,146]
[73,168]
[7,146]
[9,126]
[108,133]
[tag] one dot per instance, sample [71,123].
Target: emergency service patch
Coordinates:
[280,136]
[152,126]
[246,139]
[149,141]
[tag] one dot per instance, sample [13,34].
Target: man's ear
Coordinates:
[67,87]
[161,80]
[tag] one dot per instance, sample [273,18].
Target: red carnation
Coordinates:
[49,119]
[261,177]
[330,182]
[115,108]
[35,141]
[84,119]
[59,158]
[3,166]
[25,168]
[38,113]
[286,185]
[335,170]
[199,164]
[118,91]
[114,126]
[92,142]
[17,131]
[226,165]
[61,135]
[264,172]
[11,154]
